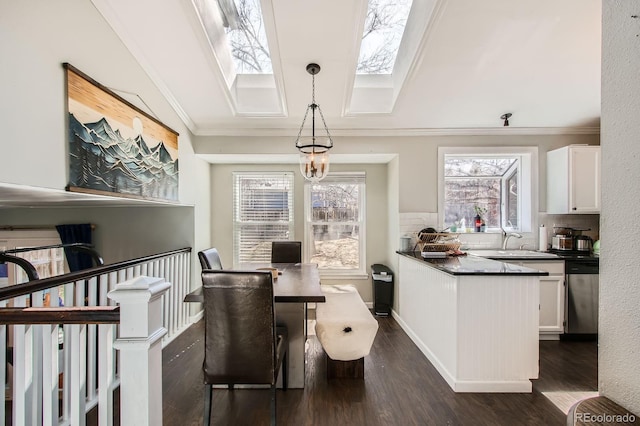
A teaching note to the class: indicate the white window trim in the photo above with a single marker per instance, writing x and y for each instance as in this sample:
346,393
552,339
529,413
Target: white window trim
359,273
528,179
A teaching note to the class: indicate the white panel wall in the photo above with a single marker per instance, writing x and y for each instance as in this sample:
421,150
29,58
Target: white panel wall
479,331
428,306
619,340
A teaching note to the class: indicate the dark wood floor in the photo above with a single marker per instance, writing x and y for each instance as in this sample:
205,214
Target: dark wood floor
400,388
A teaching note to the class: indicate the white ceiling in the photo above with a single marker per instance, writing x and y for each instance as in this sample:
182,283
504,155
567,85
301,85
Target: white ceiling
476,60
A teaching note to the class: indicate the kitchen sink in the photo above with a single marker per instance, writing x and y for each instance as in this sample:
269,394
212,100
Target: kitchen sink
511,254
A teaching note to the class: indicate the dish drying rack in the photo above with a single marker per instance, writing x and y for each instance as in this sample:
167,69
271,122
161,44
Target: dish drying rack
438,241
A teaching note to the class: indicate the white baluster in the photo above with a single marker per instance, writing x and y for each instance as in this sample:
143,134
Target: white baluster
92,350
21,368
77,373
3,362
106,374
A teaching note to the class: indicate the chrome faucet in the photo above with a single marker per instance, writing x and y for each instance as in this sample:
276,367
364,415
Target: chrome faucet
505,238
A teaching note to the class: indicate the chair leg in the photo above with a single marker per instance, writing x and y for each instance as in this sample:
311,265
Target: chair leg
273,405
207,405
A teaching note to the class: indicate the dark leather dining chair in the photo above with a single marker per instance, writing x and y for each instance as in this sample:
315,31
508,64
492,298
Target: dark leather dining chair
242,344
210,259
286,252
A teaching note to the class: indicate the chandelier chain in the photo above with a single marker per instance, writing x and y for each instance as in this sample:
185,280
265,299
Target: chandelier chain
326,129
302,125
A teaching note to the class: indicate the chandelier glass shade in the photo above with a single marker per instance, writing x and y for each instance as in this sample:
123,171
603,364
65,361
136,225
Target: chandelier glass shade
314,147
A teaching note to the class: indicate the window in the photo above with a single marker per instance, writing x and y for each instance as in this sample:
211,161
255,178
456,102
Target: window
47,262
262,213
498,182
246,36
383,29
335,224
239,33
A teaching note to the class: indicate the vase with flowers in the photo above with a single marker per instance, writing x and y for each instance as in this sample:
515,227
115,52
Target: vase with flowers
479,219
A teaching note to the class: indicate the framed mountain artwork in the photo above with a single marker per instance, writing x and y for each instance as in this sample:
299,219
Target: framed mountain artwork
114,147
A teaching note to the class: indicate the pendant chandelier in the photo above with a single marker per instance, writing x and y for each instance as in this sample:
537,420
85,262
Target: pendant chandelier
314,149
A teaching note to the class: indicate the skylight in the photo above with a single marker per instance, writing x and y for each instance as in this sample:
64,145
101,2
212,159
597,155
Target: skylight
383,29
237,31
246,36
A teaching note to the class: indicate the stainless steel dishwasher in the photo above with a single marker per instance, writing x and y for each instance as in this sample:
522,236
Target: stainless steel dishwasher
582,293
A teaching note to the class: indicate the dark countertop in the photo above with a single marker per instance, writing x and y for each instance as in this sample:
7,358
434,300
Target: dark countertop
473,265
577,256
510,255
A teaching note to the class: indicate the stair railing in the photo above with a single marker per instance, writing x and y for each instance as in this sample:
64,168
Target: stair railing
62,365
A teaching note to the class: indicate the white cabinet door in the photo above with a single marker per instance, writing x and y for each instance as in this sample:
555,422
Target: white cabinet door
584,180
551,295
573,180
551,304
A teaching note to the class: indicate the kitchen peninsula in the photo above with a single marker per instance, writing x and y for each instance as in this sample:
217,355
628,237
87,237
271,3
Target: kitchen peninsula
475,319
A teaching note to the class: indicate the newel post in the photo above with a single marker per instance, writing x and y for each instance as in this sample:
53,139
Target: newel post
140,344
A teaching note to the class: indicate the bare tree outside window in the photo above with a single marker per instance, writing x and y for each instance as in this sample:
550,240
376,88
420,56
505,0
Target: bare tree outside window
248,39
383,29
480,183
384,26
335,222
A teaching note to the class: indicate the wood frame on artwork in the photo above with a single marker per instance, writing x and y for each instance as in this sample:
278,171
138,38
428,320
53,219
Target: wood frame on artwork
115,148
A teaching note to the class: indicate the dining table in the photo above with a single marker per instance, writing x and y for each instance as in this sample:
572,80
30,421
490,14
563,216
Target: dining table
296,285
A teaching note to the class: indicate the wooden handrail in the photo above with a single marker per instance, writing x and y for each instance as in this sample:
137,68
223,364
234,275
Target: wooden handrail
26,266
46,283
62,315
83,247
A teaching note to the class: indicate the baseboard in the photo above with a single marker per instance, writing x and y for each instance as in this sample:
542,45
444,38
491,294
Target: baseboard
197,317
553,336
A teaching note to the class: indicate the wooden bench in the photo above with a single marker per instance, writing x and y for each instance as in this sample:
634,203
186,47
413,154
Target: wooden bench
599,410
346,329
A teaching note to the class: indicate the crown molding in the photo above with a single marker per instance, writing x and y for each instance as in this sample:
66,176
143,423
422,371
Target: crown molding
390,132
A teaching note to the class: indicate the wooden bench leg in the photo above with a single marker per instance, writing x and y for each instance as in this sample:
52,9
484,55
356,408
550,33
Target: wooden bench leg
345,369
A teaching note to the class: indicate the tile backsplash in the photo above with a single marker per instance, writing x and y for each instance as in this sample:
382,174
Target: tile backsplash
411,223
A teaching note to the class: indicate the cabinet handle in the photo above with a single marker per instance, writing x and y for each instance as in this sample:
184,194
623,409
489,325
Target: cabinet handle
574,208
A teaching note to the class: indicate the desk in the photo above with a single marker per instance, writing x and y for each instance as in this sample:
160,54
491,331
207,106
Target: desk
298,285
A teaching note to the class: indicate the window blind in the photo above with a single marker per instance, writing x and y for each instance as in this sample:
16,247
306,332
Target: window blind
263,212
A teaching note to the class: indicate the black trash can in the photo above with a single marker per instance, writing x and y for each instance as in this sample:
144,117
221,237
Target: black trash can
382,289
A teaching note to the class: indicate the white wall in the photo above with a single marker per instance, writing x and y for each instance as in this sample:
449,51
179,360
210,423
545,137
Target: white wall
121,233
377,247
417,157
619,345
36,37
411,181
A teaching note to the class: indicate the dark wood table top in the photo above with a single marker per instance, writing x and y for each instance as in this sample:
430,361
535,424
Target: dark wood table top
296,283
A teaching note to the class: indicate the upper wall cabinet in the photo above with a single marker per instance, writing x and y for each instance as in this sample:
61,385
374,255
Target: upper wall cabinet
573,180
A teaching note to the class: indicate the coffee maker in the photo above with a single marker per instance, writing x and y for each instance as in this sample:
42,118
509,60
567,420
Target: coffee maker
563,238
